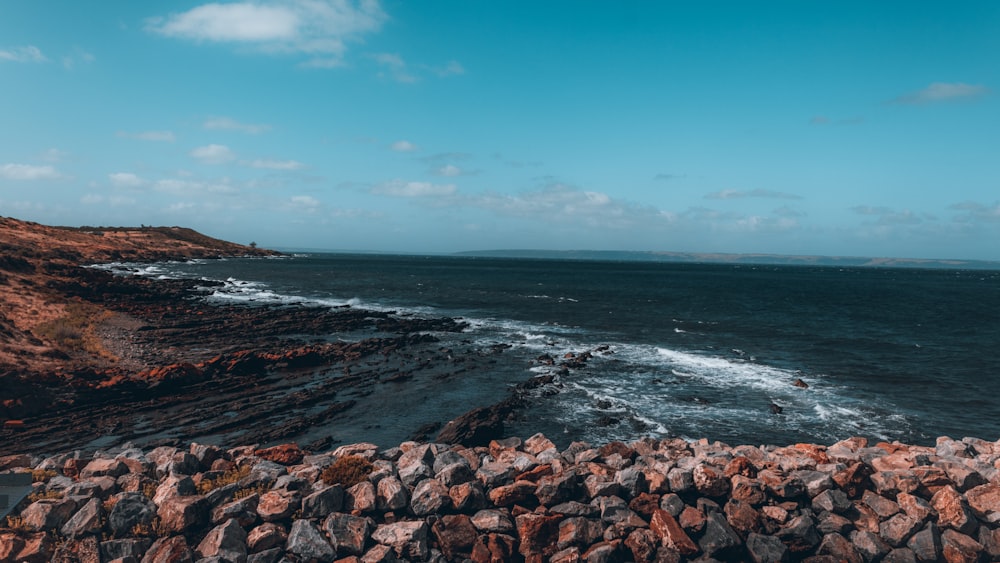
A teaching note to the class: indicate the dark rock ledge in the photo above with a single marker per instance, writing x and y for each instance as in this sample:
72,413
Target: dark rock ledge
513,500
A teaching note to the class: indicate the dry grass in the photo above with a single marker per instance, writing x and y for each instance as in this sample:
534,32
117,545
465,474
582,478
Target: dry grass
249,491
76,330
231,476
348,471
42,475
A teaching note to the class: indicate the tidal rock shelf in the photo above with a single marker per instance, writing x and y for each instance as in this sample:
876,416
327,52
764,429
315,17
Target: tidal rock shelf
513,500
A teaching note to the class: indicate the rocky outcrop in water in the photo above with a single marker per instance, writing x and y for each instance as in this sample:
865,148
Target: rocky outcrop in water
652,500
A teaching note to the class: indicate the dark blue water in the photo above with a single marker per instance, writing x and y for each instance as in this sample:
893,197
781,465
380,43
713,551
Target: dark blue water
694,350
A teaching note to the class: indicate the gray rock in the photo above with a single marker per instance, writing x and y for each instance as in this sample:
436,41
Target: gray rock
243,510
455,473
926,544
719,539
87,520
429,497
869,545
391,495
493,521
349,534
131,509
48,514
898,529
173,549
408,539
125,549
832,500
307,542
266,536
226,541
799,534
272,555
323,502
766,549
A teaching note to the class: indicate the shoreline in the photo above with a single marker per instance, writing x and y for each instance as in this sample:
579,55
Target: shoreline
512,500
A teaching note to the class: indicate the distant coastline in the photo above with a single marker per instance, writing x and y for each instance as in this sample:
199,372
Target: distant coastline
727,258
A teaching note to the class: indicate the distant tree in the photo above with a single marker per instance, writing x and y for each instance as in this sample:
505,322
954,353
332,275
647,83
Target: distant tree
253,244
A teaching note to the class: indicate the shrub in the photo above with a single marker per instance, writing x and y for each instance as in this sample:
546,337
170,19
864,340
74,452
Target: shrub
231,476
348,471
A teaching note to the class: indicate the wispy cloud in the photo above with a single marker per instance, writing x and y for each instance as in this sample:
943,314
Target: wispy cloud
126,180
943,92
401,188
404,146
28,172
230,124
161,136
54,155
667,177
314,29
273,164
214,154
451,171
758,193
76,58
887,216
394,67
977,212
452,68
22,54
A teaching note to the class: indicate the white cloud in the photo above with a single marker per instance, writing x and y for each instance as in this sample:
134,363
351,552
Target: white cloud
54,155
404,146
126,180
737,194
448,170
305,202
316,29
22,54
91,199
274,164
886,216
396,67
453,68
165,136
226,123
943,92
977,212
400,188
213,154
78,56
28,172
187,187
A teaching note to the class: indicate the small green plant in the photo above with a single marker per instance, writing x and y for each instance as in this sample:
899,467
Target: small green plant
229,477
348,471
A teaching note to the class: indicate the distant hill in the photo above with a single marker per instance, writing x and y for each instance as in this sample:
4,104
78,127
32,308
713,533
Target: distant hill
723,258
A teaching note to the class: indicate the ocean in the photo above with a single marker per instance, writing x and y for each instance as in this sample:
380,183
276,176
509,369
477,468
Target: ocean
678,350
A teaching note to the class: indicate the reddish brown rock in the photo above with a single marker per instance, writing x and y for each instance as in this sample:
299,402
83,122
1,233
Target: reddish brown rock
494,548
854,479
645,504
183,514
642,543
742,517
960,548
952,511
579,531
710,481
838,547
984,500
748,490
915,506
285,454
742,466
455,535
516,493
266,536
692,519
671,533
538,533
172,549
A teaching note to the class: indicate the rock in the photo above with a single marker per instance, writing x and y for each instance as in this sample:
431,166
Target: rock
644,505
539,534
126,549
477,427
266,536
515,493
173,549
379,554
243,510
285,454
408,539
799,535
960,548
278,505
273,555
104,467
429,497
915,506
830,523
719,539
48,514
832,500
493,521
900,555
87,520
391,495
361,497
226,541
869,545
642,544
467,497
323,502
455,474
838,547
898,529
692,520
456,535
882,506
633,482
183,514
35,548
681,480
578,531
350,534
670,533
984,501
742,517
307,542
537,444
555,489
494,548
747,489
132,509
766,549
952,511
926,544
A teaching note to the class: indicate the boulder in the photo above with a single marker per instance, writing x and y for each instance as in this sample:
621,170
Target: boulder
307,543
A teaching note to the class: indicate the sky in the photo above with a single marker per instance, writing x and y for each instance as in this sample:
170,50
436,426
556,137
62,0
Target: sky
825,128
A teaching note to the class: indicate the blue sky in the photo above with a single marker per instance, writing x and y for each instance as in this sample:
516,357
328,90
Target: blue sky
836,128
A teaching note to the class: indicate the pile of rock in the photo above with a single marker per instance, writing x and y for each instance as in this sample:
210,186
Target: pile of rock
651,500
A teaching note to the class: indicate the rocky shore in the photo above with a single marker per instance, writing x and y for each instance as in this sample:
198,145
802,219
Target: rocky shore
513,500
